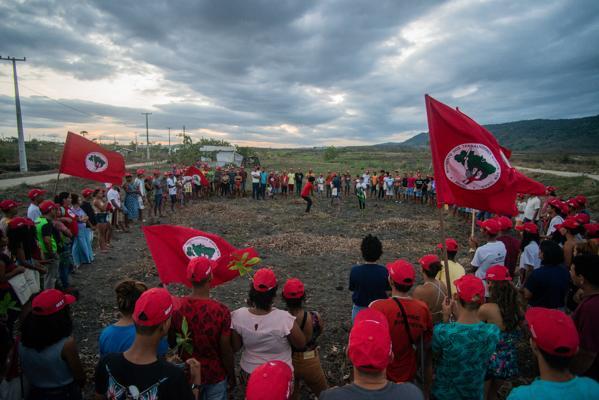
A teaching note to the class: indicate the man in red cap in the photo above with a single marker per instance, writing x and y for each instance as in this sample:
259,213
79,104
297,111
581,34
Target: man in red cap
512,245
138,373
139,183
209,326
36,196
465,346
9,209
492,253
554,342
50,241
273,380
456,270
411,325
369,350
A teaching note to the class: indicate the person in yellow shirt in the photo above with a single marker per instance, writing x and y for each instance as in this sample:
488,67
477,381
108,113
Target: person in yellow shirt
456,270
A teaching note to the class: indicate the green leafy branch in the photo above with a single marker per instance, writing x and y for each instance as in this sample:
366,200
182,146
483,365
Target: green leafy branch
7,304
242,264
184,343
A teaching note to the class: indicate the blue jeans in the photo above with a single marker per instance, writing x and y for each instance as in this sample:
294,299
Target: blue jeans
215,391
255,190
354,311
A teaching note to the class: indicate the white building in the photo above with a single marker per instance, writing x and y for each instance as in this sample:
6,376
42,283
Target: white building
224,155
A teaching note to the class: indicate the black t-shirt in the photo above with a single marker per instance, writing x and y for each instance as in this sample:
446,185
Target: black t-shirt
298,177
89,210
425,184
119,379
404,182
418,183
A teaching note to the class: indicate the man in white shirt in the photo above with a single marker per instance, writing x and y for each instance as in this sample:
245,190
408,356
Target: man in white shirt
114,197
366,177
36,196
490,254
531,211
172,190
256,183
140,185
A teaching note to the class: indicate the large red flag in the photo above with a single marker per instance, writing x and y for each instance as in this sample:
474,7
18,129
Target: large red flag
86,159
471,168
198,176
173,246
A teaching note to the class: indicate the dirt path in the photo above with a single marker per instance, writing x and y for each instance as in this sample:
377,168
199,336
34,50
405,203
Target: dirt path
560,173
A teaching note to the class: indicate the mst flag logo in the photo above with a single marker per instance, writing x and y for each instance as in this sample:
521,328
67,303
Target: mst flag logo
201,246
96,162
472,166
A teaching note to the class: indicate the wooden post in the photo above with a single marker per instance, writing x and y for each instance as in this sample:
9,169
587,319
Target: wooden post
444,247
56,184
473,222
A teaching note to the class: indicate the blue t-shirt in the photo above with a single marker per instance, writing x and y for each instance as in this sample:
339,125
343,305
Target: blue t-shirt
369,283
548,285
577,388
263,177
117,339
464,351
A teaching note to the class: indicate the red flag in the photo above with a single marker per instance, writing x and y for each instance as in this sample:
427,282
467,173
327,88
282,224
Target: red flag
173,246
471,168
198,176
86,159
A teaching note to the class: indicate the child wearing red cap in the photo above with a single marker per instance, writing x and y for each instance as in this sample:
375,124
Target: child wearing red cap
9,210
554,342
529,257
139,372
209,326
432,291
463,347
555,212
491,253
456,270
548,285
512,245
306,361
570,231
49,240
503,309
48,351
369,350
36,196
411,326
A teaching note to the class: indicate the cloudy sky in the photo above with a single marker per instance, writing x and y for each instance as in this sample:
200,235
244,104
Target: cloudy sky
285,73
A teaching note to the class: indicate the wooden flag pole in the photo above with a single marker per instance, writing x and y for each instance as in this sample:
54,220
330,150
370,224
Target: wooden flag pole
56,184
444,247
473,222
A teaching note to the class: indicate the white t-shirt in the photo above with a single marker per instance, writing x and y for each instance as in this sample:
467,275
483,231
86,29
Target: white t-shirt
366,179
172,188
554,221
139,184
492,253
264,337
532,205
114,195
33,212
255,176
530,256
521,205
389,181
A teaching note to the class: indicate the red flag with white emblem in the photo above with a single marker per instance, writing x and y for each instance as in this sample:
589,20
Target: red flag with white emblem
197,176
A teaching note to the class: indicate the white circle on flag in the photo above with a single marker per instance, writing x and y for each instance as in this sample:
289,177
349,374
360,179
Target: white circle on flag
472,166
96,162
201,246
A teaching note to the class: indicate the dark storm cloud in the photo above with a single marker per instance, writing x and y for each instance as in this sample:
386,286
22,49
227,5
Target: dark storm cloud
334,70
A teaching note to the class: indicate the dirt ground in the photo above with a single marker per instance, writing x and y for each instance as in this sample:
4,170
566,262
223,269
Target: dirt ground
319,248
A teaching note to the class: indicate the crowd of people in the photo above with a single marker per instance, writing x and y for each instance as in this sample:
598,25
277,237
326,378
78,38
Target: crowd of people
535,276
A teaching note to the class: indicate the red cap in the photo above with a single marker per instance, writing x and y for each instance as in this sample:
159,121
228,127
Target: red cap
200,268
592,229
427,260
51,301
87,192
153,307
370,341
128,175
402,272
572,203
490,225
450,243
581,199
582,218
7,205
553,331
270,381
33,193
264,280
140,171
505,223
156,172
498,273
19,222
48,205
293,289
468,287
560,205
549,189
569,223
529,227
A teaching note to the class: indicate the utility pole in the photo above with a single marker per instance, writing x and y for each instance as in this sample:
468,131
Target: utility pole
147,137
22,153
169,141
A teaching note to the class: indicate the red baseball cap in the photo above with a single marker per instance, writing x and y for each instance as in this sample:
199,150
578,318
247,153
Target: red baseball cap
200,268
549,189
270,381
498,273
529,227
47,205
427,260
402,272
19,222
156,172
33,193
572,203
153,307
140,171
264,280
490,225
7,205
582,218
51,301
468,287
553,331
293,289
562,206
581,199
569,223
128,175
592,229
87,192
450,243
505,223
370,341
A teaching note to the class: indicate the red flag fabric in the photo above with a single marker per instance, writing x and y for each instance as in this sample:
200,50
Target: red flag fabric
198,176
471,168
87,159
173,246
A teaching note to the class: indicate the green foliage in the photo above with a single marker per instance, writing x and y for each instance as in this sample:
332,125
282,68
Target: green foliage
241,263
331,153
183,340
7,304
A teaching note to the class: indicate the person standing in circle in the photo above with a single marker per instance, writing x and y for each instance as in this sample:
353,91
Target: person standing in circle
308,187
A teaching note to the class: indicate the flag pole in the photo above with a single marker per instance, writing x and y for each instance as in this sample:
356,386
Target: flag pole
56,184
444,249
473,221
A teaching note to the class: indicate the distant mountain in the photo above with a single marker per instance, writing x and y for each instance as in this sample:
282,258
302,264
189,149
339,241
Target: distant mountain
579,135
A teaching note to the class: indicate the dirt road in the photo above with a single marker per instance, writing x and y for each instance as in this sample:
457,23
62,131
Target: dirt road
559,173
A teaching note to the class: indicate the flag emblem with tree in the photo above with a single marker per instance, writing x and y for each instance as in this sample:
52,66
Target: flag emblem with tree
472,166
96,162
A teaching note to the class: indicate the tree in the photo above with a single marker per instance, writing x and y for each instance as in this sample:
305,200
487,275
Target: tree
331,153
